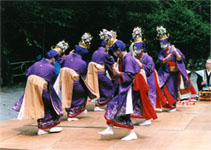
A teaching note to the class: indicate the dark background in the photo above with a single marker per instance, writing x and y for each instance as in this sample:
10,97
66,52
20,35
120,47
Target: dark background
30,28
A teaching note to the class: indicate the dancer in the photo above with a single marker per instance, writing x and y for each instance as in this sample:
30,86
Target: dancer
74,90
172,64
40,100
60,48
96,75
147,94
118,110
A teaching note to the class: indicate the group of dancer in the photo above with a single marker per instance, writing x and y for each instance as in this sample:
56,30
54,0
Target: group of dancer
126,81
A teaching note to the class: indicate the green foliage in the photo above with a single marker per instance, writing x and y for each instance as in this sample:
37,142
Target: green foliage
29,28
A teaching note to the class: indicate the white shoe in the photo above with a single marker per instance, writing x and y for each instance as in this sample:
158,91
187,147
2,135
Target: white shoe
131,136
41,132
72,119
172,110
145,123
84,112
55,129
98,109
108,130
158,109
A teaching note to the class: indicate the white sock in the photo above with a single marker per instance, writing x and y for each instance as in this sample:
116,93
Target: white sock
172,110
98,109
72,119
55,129
146,122
84,112
41,132
108,130
132,136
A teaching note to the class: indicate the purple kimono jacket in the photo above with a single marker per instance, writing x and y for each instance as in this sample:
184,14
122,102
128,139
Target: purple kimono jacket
52,103
79,97
170,79
149,67
106,87
116,108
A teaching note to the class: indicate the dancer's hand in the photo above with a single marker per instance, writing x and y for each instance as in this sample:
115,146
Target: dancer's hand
115,65
116,69
72,51
204,82
139,63
169,56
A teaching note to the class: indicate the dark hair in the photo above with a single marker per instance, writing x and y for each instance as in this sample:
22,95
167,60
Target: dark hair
169,40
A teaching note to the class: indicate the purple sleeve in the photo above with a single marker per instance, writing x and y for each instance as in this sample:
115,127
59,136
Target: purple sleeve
61,60
131,68
183,57
83,69
30,70
17,105
131,65
182,68
149,66
160,56
51,76
109,60
126,77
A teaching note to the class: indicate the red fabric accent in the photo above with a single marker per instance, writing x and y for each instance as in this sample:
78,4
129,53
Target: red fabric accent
119,81
49,127
141,86
160,98
75,114
122,77
179,75
166,52
191,89
172,63
168,106
120,64
120,69
98,105
186,102
169,98
117,124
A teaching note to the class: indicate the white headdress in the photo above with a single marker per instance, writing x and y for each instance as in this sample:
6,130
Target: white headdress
112,37
63,45
136,32
161,32
104,35
137,35
86,38
113,33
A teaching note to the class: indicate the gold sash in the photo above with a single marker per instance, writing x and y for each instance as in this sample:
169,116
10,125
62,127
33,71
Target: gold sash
173,69
33,103
67,77
92,77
